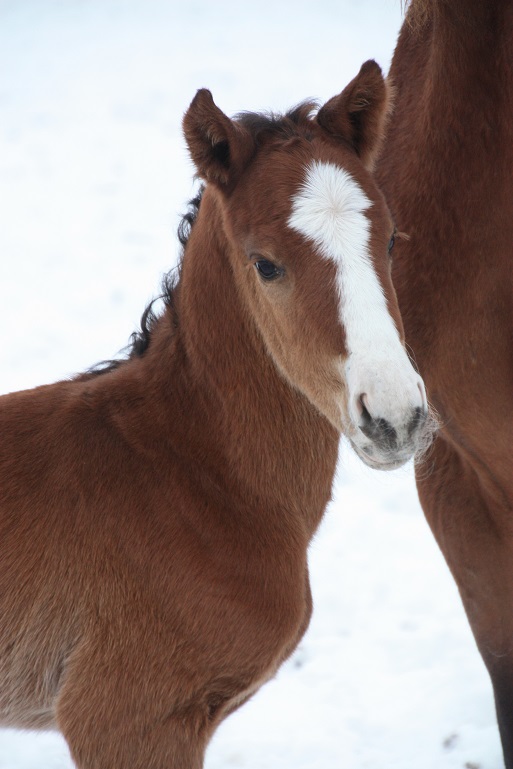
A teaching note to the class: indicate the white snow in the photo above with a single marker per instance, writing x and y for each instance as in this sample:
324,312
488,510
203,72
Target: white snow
93,175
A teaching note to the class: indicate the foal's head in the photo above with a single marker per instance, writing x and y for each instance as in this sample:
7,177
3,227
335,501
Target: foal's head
309,239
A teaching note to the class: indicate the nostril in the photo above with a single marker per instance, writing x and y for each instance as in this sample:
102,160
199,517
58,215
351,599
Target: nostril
377,429
423,397
365,417
416,422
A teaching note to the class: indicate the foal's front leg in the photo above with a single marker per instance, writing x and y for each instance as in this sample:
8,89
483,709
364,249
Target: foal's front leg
172,744
123,713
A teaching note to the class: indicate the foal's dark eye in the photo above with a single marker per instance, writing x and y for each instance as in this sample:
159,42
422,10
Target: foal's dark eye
267,270
391,242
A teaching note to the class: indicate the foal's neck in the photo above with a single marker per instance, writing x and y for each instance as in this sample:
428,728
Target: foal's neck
254,434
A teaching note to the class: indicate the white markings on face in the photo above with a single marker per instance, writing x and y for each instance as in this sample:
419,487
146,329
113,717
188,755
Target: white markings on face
330,210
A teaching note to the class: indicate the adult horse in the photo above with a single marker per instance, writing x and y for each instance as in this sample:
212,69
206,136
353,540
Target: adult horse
155,514
447,170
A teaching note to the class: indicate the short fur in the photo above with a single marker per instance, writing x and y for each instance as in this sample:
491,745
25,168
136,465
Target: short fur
446,170
155,516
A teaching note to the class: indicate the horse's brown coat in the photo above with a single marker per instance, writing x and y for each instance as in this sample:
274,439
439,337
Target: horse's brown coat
447,169
155,518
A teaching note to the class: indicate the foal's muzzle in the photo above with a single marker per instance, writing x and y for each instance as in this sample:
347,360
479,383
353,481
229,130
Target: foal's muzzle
389,432
388,446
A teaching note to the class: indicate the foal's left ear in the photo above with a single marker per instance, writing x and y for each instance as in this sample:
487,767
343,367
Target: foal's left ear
358,114
219,147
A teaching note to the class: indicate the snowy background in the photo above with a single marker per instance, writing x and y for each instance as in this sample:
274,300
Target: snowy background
93,176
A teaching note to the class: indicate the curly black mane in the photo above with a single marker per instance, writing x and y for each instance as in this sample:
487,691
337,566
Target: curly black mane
261,126
140,340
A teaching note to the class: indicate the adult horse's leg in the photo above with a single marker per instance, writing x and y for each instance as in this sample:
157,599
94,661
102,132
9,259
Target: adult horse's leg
503,688
473,525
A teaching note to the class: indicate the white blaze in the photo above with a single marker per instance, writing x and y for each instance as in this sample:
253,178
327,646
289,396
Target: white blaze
329,210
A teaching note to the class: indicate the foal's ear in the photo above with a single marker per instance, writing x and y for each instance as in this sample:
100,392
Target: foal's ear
219,147
359,113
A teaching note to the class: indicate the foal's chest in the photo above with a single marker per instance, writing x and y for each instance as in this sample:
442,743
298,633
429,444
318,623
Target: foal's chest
234,627
252,638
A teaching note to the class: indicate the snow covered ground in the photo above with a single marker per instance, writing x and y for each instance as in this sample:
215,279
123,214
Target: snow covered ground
93,176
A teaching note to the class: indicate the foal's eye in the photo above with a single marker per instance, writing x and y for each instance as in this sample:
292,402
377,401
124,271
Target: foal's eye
391,242
267,270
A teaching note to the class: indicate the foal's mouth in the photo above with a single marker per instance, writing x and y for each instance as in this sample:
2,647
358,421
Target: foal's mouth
382,463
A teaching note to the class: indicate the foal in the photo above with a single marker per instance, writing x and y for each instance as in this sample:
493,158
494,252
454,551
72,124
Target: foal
155,516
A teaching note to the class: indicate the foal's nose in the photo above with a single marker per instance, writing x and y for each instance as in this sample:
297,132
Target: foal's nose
383,434
387,408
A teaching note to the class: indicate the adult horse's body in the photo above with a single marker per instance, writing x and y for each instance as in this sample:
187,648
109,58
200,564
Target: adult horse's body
155,516
447,173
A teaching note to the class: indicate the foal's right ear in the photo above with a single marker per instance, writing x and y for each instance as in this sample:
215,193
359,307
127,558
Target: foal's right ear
358,114
218,147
